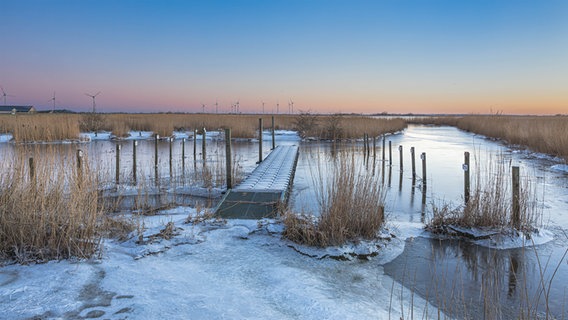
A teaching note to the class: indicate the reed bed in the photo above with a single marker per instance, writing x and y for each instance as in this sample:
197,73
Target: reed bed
41,127
56,127
491,204
50,212
546,134
351,204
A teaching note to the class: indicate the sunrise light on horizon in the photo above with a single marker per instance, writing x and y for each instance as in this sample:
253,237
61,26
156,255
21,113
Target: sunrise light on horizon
391,56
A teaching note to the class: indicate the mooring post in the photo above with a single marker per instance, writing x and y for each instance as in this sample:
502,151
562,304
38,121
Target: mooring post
516,218
171,140
183,155
390,153
32,169
80,166
228,159
156,158
423,157
384,141
364,144
117,172
203,145
466,177
273,134
134,144
400,155
259,140
374,147
194,145
412,157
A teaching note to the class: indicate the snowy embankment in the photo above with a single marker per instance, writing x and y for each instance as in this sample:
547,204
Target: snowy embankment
236,269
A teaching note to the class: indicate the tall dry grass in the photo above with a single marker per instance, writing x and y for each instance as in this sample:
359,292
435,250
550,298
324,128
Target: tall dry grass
41,127
351,204
50,214
56,127
546,134
491,203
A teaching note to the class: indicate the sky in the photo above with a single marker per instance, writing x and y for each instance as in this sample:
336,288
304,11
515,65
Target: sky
395,56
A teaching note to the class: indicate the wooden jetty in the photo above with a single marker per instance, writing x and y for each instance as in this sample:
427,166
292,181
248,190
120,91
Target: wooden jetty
265,191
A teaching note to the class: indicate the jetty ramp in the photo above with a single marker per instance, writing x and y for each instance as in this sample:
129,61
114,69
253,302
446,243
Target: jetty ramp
266,190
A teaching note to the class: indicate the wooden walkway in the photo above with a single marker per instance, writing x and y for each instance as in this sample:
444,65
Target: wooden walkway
265,190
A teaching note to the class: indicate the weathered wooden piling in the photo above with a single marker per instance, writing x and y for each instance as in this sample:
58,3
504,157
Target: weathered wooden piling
273,134
390,153
516,216
32,169
259,140
171,140
80,165
203,145
364,144
384,141
183,155
374,147
134,175
194,145
228,159
400,157
117,171
466,176
413,160
423,157
156,159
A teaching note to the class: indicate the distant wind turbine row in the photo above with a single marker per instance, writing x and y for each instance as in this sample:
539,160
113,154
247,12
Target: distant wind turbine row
235,107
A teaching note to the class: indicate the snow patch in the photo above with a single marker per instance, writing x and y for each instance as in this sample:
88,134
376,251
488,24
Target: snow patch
560,167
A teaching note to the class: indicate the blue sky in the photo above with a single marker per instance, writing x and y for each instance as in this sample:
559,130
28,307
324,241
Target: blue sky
415,56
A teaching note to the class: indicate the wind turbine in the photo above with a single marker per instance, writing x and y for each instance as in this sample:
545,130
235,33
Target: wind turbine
292,105
52,100
262,106
238,106
277,107
4,94
203,107
93,96
216,106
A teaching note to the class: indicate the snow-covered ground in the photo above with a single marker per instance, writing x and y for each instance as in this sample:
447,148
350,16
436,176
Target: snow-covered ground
236,269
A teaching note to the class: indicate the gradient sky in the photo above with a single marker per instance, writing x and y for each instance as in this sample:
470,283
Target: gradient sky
415,56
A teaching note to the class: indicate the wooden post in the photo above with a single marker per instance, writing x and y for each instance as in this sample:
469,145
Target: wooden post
183,155
117,172
374,147
32,169
194,145
156,158
259,140
134,176
400,155
412,157
273,134
390,153
384,141
80,166
228,159
466,177
423,157
171,158
364,144
203,146
516,217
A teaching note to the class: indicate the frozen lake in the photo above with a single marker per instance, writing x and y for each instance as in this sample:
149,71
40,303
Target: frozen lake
221,263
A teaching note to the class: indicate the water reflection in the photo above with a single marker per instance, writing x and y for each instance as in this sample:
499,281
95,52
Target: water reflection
467,281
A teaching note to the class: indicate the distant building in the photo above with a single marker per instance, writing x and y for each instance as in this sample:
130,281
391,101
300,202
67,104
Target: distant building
17,109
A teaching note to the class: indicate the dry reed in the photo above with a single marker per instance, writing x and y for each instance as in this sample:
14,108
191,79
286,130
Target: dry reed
351,203
50,213
490,204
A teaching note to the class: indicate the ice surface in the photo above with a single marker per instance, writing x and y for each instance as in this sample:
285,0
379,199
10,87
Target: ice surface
236,269
5,137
